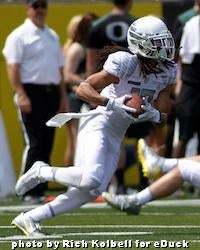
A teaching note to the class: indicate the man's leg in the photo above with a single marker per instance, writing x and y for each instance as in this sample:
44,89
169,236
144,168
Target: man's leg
164,186
28,222
38,137
185,170
63,203
42,172
167,184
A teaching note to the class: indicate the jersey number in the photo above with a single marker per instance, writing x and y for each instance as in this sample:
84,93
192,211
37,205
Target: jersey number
144,92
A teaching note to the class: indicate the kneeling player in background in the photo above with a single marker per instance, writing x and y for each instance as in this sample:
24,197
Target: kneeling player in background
175,171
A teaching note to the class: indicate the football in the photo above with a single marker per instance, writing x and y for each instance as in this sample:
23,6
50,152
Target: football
135,102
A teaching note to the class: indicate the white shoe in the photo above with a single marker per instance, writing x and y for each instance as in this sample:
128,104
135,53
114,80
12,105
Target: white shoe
27,226
126,203
30,179
149,160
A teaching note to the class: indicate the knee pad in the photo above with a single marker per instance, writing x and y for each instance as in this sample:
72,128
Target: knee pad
190,171
89,182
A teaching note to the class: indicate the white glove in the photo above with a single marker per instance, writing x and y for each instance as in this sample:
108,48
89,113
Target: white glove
118,104
151,114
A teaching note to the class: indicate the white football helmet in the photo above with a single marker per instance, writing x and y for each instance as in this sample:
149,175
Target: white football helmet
149,37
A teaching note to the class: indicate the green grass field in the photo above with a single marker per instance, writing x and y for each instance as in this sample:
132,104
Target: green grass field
174,220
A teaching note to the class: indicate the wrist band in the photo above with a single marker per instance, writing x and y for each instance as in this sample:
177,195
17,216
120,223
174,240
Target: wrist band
106,101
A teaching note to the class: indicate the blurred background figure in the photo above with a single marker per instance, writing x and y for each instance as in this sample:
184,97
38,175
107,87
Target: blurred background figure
75,72
38,85
182,18
108,30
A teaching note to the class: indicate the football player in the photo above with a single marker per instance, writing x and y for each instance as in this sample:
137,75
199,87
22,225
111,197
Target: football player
147,68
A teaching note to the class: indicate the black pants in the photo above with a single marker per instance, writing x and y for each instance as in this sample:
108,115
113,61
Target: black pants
188,111
38,137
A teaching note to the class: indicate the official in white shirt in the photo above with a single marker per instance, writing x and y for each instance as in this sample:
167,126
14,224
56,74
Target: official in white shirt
34,62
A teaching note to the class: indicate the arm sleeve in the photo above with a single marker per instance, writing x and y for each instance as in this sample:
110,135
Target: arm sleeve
13,49
121,64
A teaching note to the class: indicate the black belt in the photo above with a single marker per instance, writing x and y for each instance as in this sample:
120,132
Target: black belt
46,86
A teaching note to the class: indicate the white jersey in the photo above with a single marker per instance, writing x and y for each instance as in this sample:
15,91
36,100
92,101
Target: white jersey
127,68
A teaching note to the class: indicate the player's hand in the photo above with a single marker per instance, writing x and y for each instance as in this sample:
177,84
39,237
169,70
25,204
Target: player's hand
23,102
119,104
151,114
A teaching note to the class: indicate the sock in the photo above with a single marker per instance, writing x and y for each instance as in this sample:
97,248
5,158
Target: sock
190,171
47,173
40,213
166,164
64,176
144,196
62,204
70,176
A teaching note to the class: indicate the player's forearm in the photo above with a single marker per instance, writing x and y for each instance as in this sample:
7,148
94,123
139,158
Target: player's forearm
87,93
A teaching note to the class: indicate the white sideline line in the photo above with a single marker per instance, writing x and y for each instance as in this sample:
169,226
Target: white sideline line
75,214
174,203
24,237
24,208
167,214
116,214
112,226
106,233
21,237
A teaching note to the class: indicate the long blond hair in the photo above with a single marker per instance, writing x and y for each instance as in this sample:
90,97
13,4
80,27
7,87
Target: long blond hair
71,29
78,29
